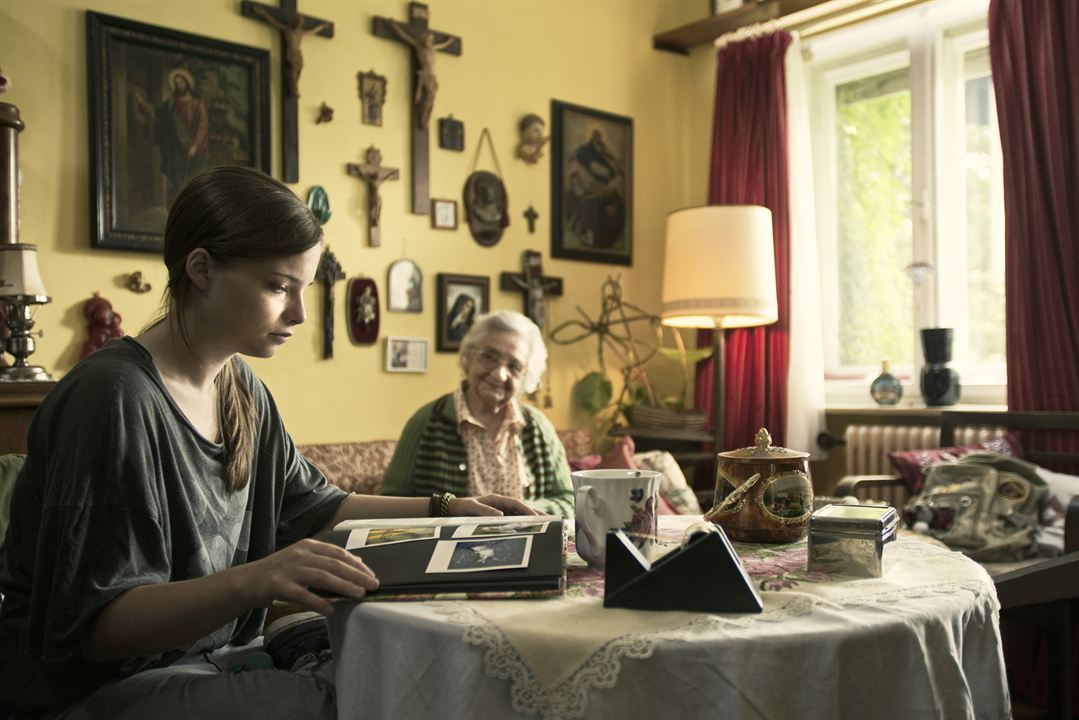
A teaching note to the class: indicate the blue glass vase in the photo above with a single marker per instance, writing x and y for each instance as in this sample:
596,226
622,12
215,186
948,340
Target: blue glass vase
886,388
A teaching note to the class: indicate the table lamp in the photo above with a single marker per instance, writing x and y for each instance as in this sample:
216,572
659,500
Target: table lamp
719,272
20,290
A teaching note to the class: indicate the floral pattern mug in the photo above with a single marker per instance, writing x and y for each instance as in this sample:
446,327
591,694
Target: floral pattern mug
614,500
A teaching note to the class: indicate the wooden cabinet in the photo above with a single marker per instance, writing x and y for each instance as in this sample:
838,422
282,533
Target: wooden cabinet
18,403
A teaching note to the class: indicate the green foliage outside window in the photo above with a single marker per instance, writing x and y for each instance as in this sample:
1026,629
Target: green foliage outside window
873,137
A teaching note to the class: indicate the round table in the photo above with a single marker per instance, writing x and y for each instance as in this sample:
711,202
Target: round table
922,641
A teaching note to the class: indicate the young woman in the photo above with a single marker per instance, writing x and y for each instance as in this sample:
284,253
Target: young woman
163,506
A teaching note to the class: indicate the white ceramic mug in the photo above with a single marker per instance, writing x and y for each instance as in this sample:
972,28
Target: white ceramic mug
614,500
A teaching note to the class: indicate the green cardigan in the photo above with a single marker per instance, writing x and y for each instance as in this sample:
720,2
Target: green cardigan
431,457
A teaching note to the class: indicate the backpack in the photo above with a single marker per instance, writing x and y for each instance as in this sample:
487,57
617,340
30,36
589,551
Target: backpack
985,505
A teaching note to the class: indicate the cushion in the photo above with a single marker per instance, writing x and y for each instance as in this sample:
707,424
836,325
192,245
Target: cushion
1062,488
353,467
912,464
673,487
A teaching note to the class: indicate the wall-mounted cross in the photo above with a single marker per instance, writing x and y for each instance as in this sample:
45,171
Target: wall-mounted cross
531,215
329,273
292,26
424,44
374,173
533,284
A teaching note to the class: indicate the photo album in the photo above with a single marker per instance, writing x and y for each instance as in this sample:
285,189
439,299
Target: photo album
479,557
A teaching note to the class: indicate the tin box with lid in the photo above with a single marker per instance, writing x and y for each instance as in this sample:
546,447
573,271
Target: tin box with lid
850,539
763,493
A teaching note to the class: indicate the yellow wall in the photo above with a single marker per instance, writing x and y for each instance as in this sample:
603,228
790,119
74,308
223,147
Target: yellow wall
518,55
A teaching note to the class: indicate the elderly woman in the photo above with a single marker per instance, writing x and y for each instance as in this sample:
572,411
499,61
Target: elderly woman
479,439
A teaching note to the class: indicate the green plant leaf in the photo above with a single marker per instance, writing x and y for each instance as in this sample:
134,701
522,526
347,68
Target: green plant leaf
594,392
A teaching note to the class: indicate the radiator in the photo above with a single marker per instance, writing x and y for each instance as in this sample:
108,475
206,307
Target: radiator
867,446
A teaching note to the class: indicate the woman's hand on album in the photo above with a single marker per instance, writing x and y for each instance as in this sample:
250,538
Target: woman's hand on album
293,574
489,505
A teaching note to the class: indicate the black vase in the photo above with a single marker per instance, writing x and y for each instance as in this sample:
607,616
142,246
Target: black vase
940,384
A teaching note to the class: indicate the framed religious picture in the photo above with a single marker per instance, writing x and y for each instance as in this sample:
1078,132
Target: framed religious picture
165,106
372,96
404,287
461,298
591,185
444,214
406,354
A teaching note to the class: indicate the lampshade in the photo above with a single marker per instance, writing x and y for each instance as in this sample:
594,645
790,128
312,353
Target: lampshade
19,276
719,267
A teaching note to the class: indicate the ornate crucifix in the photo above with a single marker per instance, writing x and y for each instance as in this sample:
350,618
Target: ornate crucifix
329,272
424,44
292,26
374,174
535,286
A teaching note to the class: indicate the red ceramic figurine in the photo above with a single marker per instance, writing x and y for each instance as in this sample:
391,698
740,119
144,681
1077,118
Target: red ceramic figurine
102,324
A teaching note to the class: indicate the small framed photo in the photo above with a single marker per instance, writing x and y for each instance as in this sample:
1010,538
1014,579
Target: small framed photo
461,298
406,354
444,214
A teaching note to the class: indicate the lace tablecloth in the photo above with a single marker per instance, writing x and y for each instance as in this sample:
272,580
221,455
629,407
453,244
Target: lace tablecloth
920,642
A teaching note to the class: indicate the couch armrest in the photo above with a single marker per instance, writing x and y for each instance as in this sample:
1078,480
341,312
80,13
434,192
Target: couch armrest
886,488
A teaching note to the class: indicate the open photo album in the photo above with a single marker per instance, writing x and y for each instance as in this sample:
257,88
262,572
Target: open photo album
476,557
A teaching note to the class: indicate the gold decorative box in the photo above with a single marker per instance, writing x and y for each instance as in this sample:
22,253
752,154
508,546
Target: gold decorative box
850,539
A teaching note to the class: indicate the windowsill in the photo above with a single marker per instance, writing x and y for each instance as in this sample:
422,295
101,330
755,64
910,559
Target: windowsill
855,394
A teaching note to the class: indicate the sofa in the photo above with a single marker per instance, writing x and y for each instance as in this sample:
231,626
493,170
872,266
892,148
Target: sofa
359,466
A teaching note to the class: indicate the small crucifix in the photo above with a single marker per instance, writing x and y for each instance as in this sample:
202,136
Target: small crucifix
531,215
329,273
424,44
292,26
374,174
535,286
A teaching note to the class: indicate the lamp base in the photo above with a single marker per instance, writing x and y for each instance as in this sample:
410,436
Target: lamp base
24,373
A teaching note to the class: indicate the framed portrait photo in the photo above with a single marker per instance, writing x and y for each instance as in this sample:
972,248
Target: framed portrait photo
591,185
404,287
164,107
443,214
461,298
406,354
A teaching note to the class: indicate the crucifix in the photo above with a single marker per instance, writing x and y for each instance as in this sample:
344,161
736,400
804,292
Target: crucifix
374,174
424,44
535,286
292,26
329,272
531,215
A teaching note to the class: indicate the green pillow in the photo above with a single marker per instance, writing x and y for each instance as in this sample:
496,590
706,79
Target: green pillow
10,465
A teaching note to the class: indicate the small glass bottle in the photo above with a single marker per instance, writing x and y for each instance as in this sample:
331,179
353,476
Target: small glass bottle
886,389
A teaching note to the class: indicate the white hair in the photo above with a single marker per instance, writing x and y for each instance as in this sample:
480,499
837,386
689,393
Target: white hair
508,321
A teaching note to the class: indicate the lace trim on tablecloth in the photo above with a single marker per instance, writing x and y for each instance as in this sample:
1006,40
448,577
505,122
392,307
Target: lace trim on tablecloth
568,699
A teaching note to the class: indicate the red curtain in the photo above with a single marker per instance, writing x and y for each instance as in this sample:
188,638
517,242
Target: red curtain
749,167
1032,47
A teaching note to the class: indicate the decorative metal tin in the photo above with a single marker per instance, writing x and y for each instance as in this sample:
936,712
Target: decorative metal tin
850,539
763,493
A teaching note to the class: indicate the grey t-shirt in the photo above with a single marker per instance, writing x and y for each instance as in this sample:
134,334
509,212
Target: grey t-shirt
119,490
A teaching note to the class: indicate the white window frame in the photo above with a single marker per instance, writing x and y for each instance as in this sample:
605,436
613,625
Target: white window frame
932,40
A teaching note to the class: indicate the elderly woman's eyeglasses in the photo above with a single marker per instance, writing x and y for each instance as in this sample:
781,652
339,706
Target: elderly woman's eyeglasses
489,360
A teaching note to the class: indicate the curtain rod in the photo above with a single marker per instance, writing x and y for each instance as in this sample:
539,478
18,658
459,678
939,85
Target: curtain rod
822,18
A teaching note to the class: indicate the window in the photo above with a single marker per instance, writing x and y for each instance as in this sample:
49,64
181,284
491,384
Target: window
908,181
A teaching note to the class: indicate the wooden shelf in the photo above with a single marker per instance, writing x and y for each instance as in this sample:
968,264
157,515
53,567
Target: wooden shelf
664,434
682,39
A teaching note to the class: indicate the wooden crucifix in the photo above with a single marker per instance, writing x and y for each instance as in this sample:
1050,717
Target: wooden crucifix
535,286
329,273
374,174
531,215
424,44
292,26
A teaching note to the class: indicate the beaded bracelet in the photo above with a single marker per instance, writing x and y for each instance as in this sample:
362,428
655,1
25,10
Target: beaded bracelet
444,506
